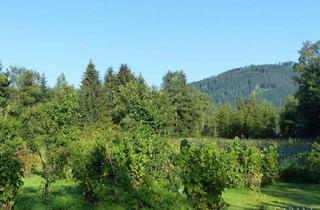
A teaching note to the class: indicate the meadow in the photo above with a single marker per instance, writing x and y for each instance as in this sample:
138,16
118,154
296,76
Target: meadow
68,195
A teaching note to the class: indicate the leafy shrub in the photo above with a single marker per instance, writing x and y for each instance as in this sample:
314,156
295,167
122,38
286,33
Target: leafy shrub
270,165
205,173
10,178
90,166
302,167
313,163
249,163
152,195
145,166
11,168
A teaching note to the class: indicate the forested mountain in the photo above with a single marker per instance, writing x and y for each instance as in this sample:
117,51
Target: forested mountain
272,82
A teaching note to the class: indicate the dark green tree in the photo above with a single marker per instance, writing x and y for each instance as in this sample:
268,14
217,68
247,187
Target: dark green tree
91,96
288,118
125,75
308,93
4,88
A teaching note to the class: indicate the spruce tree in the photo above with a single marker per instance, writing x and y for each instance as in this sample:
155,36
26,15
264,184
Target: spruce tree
90,96
125,75
4,88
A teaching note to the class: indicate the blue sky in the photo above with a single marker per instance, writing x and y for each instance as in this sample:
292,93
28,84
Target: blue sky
202,37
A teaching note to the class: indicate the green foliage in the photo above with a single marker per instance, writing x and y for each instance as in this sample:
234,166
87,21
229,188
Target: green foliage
91,97
11,174
136,108
251,120
152,195
91,167
249,163
271,82
11,168
4,88
145,167
25,85
51,126
205,172
288,119
313,163
270,164
188,106
308,93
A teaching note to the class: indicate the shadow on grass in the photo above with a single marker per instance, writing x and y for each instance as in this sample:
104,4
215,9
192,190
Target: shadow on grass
294,195
63,195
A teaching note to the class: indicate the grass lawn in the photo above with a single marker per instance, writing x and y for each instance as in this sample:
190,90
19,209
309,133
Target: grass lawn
67,195
283,195
63,195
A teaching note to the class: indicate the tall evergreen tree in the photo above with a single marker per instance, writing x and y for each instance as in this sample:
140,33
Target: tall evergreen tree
308,93
4,88
184,102
241,118
90,96
125,75
44,90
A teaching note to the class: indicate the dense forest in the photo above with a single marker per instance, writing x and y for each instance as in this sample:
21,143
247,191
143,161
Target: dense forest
111,134
272,82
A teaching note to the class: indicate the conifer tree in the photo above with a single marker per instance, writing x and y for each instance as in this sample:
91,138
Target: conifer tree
4,88
90,96
125,75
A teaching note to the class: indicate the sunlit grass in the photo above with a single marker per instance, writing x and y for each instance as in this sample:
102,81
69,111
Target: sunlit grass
282,195
67,195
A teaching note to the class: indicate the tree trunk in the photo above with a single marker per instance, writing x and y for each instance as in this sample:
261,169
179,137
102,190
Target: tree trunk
46,192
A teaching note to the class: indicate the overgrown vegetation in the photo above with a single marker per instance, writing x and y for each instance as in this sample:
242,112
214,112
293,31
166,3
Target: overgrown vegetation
111,137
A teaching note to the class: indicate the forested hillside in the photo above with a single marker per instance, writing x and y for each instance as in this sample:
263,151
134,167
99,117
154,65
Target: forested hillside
272,82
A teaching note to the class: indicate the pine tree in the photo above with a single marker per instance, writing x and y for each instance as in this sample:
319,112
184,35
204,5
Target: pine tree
125,75
187,118
43,87
4,88
250,116
91,96
241,117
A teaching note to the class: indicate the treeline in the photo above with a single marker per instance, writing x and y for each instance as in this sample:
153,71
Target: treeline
124,101
114,132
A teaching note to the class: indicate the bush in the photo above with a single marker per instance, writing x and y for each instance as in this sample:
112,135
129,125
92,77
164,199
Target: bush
91,168
249,163
303,167
145,167
270,164
152,194
11,167
313,163
205,173
11,174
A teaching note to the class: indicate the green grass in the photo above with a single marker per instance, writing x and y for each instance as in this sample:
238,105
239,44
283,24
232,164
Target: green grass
64,194
67,195
283,195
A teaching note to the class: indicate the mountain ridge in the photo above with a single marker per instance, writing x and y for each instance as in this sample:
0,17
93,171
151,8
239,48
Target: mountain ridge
271,82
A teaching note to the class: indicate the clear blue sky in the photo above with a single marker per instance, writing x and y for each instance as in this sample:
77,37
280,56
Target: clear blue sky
202,37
